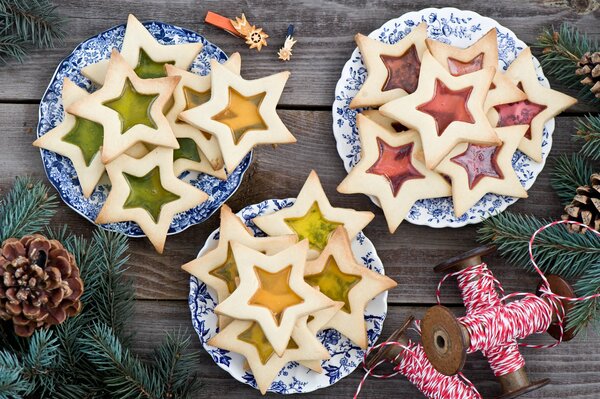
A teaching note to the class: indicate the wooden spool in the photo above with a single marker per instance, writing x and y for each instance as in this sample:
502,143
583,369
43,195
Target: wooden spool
391,353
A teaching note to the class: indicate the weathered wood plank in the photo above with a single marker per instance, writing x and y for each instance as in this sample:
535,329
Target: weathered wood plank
572,367
408,255
325,32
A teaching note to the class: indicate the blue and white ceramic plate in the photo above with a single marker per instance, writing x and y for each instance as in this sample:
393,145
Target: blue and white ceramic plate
294,378
60,170
459,28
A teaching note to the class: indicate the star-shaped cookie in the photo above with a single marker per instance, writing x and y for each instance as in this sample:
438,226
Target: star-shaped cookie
481,54
147,192
241,113
445,109
387,123
129,108
191,91
145,55
313,218
217,268
78,139
336,274
272,292
541,105
476,170
248,339
189,157
392,69
391,168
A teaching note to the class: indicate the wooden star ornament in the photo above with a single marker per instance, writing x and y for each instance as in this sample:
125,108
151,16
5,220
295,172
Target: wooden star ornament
392,169
481,54
191,91
241,113
392,69
78,139
445,109
336,274
476,170
217,268
248,339
129,108
272,292
146,191
313,218
541,105
145,54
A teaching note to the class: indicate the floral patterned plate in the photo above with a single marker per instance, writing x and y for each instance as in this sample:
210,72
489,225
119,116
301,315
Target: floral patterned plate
294,378
60,170
459,28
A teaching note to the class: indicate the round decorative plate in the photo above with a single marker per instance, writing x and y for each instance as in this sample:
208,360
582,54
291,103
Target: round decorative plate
294,378
60,170
459,28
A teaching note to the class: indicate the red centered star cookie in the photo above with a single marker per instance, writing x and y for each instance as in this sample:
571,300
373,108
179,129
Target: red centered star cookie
392,69
541,105
476,170
445,109
391,168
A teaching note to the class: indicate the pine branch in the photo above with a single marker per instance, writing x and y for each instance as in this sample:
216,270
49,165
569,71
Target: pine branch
586,312
34,21
588,130
123,373
26,209
556,250
561,50
12,46
41,360
174,364
570,172
13,384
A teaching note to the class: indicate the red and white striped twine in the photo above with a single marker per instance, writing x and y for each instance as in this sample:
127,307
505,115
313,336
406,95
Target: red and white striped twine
414,365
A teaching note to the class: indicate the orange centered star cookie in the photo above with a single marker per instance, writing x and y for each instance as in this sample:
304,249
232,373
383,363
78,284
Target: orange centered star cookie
445,109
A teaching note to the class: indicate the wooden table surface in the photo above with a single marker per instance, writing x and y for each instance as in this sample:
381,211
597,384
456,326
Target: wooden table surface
325,31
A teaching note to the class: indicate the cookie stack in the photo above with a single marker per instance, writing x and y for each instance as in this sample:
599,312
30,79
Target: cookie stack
448,122
276,292
150,120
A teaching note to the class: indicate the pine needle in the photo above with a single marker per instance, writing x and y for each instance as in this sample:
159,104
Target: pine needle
13,384
570,172
586,312
561,50
588,131
26,209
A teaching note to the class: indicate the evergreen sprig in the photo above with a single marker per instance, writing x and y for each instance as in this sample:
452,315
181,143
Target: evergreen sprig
25,24
555,250
561,50
588,131
89,355
570,172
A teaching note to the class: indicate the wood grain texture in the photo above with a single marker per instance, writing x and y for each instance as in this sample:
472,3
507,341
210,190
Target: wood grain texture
573,367
325,31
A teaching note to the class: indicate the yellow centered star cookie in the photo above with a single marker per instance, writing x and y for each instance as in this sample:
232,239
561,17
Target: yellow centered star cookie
481,54
147,192
78,139
129,108
392,169
249,339
392,69
313,218
241,113
191,91
476,170
145,55
217,268
541,105
445,109
336,274
272,292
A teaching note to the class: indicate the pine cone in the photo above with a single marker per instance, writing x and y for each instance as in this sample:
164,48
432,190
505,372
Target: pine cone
40,283
585,207
589,66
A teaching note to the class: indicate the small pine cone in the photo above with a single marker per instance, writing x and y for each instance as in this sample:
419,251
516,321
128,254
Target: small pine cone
40,283
585,207
589,67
